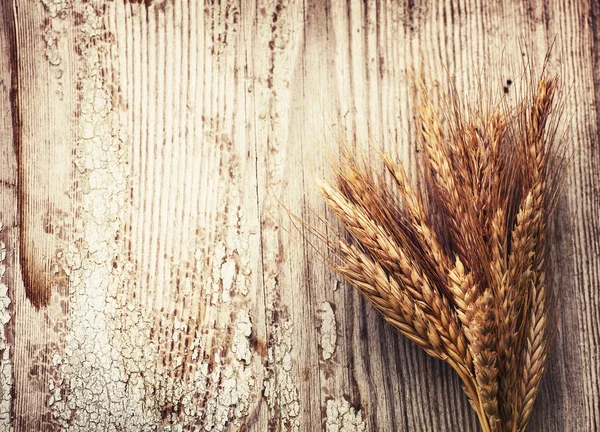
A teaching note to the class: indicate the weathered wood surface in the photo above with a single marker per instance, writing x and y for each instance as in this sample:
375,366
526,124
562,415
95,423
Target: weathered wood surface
146,278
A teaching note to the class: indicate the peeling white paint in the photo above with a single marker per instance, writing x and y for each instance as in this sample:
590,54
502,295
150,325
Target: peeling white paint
225,382
94,389
241,344
223,264
271,93
230,385
56,7
228,269
118,370
328,330
341,417
6,372
113,374
280,389
230,403
222,270
56,10
52,53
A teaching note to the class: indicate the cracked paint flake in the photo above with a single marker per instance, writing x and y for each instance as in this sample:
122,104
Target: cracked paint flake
241,343
52,53
51,36
56,7
328,330
341,417
6,372
280,388
231,401
228,387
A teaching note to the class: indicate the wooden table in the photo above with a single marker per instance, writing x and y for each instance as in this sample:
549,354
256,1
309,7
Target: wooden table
150,277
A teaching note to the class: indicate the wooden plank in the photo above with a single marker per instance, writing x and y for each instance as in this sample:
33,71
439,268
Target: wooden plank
8,215
143,190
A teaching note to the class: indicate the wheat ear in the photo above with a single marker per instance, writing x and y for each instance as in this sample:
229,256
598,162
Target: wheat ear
460,265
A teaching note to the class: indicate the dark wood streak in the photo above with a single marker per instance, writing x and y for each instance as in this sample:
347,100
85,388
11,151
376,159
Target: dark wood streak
37,288
10,25
144,2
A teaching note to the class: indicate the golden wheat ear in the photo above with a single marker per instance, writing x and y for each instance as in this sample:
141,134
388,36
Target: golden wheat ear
460,266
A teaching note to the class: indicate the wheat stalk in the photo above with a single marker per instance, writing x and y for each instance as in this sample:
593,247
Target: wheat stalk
460,265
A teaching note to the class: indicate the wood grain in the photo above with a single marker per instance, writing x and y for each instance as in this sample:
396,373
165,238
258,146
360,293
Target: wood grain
155,280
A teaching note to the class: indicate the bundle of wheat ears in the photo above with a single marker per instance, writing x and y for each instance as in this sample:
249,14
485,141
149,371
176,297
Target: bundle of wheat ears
459,264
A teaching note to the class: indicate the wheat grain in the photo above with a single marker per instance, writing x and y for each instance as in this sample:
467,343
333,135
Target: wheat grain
485,358
465,292
535,353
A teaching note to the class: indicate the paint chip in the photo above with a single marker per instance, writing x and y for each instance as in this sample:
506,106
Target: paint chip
328,330
241,343
56,7
280,389
52,53
341,417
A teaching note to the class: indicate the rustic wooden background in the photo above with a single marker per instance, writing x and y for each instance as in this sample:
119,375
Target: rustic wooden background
147,278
